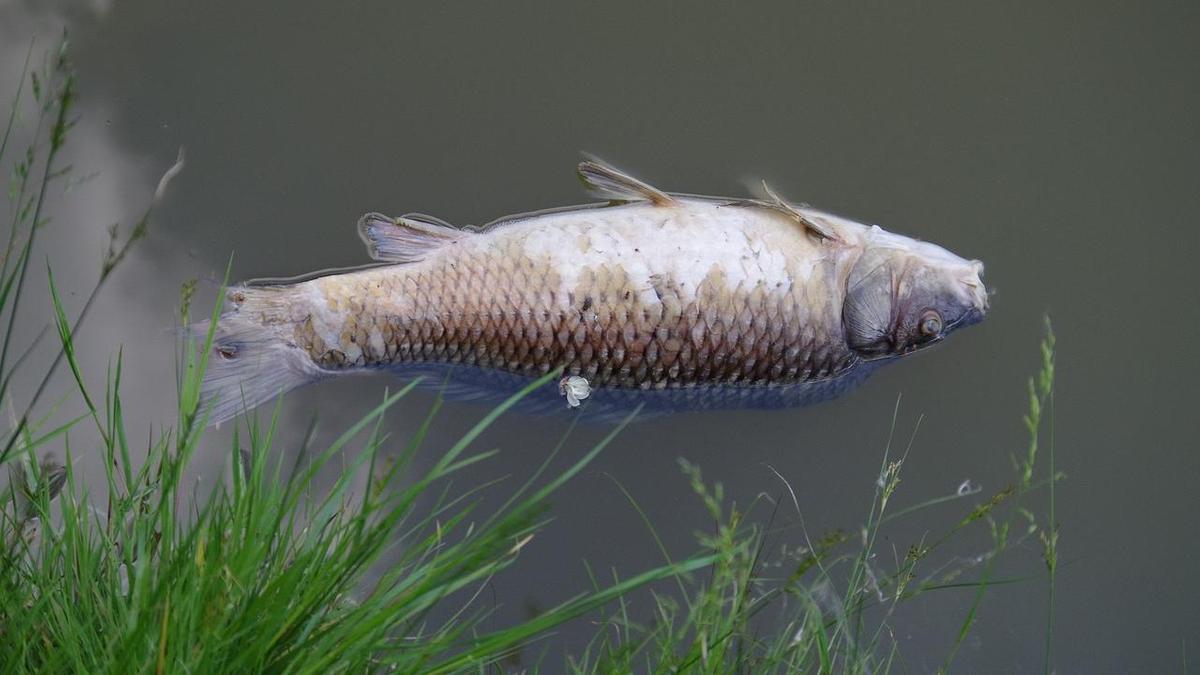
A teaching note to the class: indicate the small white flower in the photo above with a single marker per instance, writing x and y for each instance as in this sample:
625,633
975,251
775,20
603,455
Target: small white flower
575,388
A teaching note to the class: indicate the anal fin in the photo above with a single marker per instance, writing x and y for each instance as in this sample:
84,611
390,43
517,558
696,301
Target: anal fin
409,238
611,183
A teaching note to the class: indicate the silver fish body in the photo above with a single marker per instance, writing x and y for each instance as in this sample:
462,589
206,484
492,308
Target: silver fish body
692,297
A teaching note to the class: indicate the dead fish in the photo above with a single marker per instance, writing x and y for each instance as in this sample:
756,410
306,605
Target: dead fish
694,302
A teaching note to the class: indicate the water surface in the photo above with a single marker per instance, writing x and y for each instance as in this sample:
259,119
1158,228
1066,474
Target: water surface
1057,144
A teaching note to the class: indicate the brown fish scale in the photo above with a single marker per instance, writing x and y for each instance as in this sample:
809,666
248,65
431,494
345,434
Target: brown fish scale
501,309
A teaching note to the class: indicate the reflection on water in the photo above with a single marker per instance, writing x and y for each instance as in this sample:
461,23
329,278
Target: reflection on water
1055,143
490,387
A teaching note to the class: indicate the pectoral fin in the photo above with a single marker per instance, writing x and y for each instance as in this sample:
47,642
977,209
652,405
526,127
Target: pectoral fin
607,182
408,238
773,201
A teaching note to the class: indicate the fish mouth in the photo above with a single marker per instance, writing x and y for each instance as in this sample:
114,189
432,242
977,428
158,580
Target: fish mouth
969,318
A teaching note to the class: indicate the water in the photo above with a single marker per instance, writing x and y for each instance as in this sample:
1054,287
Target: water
1057,144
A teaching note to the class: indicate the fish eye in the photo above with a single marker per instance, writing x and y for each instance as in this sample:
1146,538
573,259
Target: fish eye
930,323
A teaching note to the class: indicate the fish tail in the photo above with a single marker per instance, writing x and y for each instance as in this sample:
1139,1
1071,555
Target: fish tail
254,357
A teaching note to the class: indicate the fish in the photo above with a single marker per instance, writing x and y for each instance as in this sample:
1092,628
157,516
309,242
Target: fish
668,301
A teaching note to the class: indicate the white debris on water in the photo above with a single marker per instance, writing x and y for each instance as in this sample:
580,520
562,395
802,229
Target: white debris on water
575,388
968,488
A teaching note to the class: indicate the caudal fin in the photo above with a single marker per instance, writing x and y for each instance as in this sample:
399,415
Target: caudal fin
254,357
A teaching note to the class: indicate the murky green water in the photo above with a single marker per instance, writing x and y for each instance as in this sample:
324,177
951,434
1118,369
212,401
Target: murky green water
1059,145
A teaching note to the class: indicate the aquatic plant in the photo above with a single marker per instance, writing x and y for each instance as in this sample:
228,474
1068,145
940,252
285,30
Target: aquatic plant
267,573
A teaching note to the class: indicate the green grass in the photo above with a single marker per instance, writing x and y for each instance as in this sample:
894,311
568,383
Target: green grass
831,609
268,573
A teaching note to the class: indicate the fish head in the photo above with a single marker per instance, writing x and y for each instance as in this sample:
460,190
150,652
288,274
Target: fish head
903,295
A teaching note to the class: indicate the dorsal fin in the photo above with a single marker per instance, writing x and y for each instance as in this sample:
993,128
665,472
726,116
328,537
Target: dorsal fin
409,238
773,201
610,183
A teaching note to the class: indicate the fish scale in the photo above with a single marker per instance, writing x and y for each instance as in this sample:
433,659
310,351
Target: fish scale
718,334
649,291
